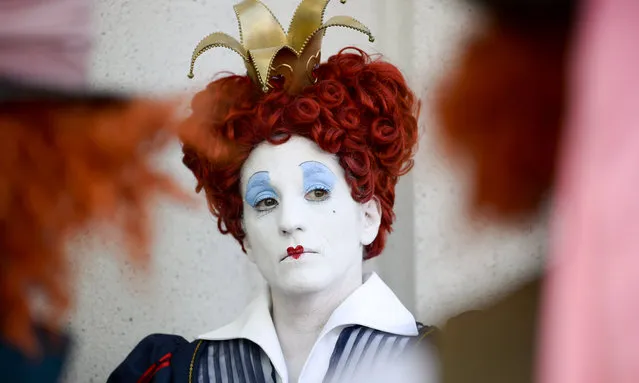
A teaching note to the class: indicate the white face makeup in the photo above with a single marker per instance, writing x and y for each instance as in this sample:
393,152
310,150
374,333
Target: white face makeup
296,196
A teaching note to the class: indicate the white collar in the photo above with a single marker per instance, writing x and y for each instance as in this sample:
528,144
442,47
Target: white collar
372,305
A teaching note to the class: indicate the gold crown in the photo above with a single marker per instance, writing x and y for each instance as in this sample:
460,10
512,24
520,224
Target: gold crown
269,53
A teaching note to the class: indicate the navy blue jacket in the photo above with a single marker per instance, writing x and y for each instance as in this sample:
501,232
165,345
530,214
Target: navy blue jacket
163,358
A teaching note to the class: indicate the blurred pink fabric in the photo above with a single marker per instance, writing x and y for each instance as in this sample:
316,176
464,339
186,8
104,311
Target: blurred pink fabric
45,41
590,325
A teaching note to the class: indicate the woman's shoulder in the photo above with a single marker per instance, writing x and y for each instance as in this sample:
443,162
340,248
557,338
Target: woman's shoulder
158,358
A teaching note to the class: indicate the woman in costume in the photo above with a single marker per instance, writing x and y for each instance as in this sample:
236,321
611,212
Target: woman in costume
569,135
309,195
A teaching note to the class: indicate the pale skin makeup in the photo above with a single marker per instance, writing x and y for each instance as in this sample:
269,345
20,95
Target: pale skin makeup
296,197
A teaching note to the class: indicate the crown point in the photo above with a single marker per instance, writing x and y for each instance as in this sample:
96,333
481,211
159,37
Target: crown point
371,39
342,1
190,75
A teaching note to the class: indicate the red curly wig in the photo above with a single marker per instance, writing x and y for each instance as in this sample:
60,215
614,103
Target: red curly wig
360,109
65,164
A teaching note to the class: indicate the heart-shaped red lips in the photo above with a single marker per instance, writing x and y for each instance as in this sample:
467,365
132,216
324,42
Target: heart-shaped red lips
297,250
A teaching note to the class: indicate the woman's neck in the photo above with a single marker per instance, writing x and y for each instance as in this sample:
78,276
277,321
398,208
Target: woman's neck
300,318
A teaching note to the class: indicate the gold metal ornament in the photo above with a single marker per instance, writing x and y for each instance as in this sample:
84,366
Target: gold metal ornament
269,52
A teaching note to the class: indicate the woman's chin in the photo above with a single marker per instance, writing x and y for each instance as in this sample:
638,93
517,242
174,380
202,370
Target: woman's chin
303,281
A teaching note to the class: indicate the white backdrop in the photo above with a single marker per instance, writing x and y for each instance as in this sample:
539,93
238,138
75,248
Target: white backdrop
199,279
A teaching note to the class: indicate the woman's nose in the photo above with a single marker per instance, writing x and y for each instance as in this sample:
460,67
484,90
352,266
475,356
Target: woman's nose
291,218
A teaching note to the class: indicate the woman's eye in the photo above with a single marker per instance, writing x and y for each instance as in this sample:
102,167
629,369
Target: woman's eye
266,204
317,195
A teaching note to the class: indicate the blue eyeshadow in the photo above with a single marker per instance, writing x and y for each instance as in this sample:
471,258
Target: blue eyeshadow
317,176
259,188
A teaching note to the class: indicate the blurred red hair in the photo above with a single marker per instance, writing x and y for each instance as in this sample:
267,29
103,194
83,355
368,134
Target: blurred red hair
502,108
65,165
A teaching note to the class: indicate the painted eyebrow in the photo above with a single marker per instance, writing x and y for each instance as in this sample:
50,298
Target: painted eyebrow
317,174
259,182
